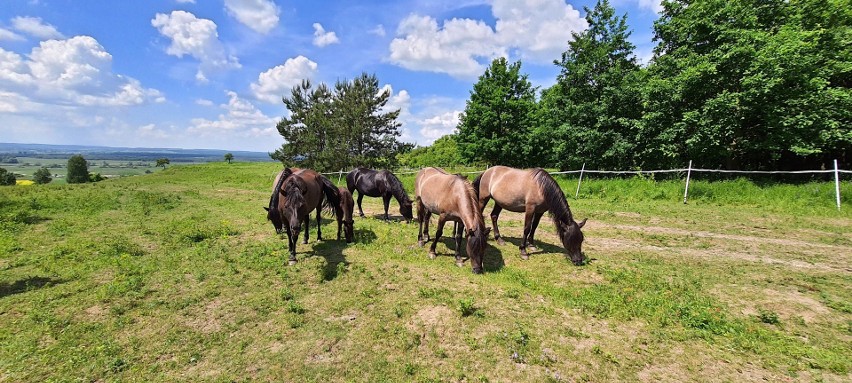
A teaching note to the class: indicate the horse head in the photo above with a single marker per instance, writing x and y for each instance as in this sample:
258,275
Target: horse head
572,240
294,201
405,208
476,244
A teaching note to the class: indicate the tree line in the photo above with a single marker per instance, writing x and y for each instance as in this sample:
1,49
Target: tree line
750,84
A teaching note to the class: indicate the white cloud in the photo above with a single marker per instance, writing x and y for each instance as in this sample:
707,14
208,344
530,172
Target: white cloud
379,30
151,131
259,15
323,38
197,38
653,5
242,119
276,82
77,71
538,30
186,1
439,125
452,49
8,35
204,102
33,26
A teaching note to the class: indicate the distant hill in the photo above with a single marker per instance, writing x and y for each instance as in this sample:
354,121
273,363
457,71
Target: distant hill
129,154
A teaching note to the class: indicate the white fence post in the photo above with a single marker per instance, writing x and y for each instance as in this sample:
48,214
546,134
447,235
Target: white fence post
580,180
688,173
340,176
837,184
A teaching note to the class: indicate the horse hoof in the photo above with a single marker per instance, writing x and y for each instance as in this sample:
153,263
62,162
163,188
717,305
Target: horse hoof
525,256
532,248
420,243
501,242
459,263
292,262
477,271
432,255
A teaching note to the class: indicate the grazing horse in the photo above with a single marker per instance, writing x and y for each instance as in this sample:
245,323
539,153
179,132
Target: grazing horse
533,192
344,215
453,198
380,183
296,193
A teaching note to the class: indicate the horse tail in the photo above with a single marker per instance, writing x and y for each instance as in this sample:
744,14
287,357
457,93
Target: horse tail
350,180
476,182
555,199
332,196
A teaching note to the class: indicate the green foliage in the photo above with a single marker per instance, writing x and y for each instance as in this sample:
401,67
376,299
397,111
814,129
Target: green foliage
332,129
593,109
42,176
444,152
78,170
7,178
750,84
162,162
229,157
498,120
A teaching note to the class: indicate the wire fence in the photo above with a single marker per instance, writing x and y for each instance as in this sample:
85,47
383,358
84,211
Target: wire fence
688,170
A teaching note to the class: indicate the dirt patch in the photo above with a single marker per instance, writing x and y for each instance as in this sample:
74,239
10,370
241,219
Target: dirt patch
788,304
95,313
208,321
431,317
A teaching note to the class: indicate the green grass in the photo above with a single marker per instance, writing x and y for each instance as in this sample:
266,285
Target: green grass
177,276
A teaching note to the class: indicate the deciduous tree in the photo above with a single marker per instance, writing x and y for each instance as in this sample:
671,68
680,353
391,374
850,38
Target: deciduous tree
78,170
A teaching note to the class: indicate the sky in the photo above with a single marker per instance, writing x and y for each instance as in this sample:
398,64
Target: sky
210,74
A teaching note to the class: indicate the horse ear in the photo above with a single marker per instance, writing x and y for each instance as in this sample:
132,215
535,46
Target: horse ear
265,208
582,223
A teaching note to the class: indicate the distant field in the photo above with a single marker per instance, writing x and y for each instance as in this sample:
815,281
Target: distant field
177,276
26,166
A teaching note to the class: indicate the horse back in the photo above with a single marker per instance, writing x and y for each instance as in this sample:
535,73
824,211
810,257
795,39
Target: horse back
311,186
513,189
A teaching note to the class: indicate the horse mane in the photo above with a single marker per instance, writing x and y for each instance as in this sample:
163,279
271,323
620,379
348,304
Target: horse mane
554,197
293,192
476,182
396,188
472,197
273,200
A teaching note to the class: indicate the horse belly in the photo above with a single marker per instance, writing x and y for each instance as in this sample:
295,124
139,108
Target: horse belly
510,201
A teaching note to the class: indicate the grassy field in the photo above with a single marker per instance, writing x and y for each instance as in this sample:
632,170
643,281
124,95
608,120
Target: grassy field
26,166
177,276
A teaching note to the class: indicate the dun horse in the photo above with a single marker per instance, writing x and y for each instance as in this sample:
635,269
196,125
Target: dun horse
296,193
344,215
380,183
533,192
452,198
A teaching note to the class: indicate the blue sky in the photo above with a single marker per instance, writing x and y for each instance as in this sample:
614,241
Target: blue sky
211,73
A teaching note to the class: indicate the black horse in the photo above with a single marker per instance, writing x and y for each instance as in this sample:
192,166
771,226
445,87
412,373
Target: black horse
381,183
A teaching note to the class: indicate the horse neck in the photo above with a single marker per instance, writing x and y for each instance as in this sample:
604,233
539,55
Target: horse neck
554,197
469,207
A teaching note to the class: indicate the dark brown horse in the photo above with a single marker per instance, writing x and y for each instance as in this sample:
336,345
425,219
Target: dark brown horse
453,198
296,193
533,192
381,183
344,215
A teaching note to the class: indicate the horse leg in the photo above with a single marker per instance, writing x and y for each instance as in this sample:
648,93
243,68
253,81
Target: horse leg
421,214
528,218
386,200
494,215
536,220
339,225
319,226
426,225
458,228
360,198
291,245
307,226
442,219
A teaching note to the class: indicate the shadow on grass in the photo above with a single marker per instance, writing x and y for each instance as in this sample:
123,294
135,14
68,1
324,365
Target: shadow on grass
27,284
332,251
391,217
542,247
